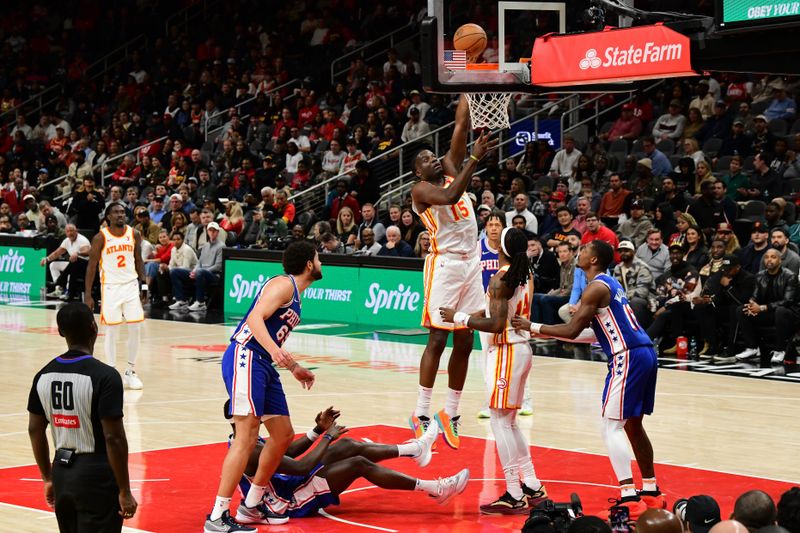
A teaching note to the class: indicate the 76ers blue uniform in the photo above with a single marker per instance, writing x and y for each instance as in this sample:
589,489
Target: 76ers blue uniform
490,262
630,388
253,383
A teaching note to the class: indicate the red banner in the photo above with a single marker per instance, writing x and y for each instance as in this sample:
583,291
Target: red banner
66,421
612,55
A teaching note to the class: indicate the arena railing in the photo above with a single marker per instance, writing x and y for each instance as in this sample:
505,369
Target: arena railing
394,38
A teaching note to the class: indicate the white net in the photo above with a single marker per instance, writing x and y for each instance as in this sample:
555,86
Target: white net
489,110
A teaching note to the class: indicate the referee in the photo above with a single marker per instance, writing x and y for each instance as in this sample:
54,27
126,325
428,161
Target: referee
82,399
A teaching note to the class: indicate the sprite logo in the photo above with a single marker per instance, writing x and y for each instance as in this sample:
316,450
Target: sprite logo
242,289
400,299
12,262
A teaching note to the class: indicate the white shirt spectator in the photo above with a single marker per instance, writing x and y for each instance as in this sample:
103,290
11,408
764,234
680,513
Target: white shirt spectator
423,107
72,247
292,161
531,224
564,162
669,125
61,124
302,143
401,68
332,162
183,257
414,130
26,130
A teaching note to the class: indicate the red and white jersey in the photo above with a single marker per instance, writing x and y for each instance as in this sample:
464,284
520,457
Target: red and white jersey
453,228
518,304
117,261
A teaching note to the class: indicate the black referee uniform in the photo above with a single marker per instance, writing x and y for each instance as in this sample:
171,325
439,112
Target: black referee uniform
74,391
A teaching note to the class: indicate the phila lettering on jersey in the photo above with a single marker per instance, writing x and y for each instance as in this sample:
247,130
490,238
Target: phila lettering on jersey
490,262
117,260
453,228
279,324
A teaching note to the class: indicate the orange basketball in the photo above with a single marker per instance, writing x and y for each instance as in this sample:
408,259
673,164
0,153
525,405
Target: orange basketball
471,38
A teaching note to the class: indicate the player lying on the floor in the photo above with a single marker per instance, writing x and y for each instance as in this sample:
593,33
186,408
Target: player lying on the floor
301,487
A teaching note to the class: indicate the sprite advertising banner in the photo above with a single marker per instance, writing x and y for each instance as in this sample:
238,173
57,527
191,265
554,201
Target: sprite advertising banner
21,275
357,295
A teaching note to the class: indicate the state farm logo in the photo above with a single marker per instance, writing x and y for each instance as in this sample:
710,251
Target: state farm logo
66,421
591,60
614,56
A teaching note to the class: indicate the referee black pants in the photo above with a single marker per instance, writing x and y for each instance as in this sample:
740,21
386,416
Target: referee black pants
86,496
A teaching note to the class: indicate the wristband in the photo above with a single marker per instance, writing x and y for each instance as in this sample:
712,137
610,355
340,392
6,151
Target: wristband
291,368
312,435
328,436
474,158
536,328
461,319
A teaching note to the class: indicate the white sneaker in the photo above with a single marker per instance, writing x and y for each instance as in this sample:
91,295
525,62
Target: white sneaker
748,353
777,357
131,380
527,403
484,413
198,306
55,293
178,305
426,445
450,486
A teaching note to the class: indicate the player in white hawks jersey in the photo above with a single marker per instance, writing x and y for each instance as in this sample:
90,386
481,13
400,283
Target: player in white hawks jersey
452,274
508,363
116,251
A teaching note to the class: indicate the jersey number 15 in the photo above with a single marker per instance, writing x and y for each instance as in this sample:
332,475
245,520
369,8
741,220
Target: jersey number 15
459,210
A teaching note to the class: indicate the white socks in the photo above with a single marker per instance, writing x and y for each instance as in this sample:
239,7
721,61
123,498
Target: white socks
133,342
424,485
617,444
220,506
254,495
423,401
110,344
409,449
649,484
502,421
451,403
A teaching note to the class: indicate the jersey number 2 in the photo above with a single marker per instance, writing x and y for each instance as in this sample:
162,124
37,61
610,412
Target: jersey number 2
459,210
121,261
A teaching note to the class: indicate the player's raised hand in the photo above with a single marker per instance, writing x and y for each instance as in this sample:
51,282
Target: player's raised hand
326,418
447,314
484,145
304,376
522,323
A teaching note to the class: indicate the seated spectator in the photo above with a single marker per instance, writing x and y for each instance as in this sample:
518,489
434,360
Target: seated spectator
333,158
565,159
330,244
765,184
545,306
660,164
182,256
736,182
751,255
205,273
738,142
158,258
779,240
636,227
415,127
409,225
755,510
68,264
370,220
521,209
664,218
670,125
782,106
725,234
611,206
675,290
5,225
696,251
178,224
351,158
283,207
704,101
643,186
789,510
233,221
707,212
637,280
587,192
343,198
156,209
395,246
346,227
691,148
625,127
772,302
423,245
566,228
595,230
368,245
717,125
773,214
654,253
544,265
145,226
694,124
715,257
702,173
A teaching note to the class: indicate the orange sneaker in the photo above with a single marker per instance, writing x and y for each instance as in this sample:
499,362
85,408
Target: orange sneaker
449,427
653,499
419,424
634,504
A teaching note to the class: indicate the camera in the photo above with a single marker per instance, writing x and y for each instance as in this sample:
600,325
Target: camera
556,515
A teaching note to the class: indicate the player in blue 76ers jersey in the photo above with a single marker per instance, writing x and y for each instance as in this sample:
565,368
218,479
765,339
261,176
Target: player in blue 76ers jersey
630,387
255,389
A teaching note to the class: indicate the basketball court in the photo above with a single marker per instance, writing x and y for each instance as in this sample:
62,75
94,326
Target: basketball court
712,433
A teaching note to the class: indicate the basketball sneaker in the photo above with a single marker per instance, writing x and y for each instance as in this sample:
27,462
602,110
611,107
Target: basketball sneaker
534,497
484,414
226,524
449,427
179,305
747,353
131,380
653,499
426,445
198,306
259,515
419,425
634,504
777,357
451,486
506,504
527,403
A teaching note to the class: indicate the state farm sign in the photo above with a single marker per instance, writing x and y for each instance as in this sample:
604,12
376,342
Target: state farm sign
613,55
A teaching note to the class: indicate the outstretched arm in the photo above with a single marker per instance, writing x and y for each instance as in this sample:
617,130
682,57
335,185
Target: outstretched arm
454,157
304,466
575,328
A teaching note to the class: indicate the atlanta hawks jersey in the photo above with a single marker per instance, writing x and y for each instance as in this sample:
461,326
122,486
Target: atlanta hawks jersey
518,304
117,261
453,228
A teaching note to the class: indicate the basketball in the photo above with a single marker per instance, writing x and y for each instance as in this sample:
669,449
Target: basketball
471,38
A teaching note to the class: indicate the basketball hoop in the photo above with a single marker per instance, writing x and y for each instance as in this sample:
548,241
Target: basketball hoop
489,110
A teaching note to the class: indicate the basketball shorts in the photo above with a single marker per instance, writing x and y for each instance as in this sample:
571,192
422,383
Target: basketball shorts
299,496
120,303
507,369
451,281
253,384
630,389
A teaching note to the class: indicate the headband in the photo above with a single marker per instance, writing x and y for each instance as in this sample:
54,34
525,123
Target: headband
503,241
